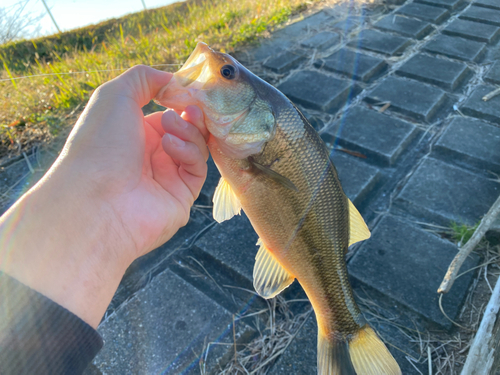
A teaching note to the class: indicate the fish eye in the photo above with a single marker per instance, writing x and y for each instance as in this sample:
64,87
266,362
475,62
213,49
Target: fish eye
228,71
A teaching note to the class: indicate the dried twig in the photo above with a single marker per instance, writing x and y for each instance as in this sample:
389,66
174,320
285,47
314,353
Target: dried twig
491,95
464,252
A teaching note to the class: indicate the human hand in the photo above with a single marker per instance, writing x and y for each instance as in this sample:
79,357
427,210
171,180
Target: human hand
122,186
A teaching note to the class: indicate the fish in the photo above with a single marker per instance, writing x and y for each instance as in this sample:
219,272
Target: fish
275,167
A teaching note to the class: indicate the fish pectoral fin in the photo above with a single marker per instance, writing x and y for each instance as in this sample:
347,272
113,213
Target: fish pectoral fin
226,203
357,226
275,176
269,276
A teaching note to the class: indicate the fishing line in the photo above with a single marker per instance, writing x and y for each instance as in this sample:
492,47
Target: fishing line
85,71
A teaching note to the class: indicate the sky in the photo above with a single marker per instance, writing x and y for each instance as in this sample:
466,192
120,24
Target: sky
70,14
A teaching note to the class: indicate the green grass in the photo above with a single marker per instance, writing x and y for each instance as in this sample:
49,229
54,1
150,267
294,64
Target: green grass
461,233
35,108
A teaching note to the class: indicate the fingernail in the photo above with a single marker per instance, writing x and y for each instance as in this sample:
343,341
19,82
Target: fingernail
176,141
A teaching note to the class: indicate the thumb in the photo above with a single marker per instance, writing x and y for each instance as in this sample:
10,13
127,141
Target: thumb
141,83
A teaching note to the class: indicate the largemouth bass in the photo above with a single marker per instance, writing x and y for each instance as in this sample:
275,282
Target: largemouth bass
276,168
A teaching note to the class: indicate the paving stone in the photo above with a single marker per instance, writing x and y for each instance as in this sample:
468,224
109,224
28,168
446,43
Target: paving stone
377,136
475,106
163,329
405,26
399,257
376,41
348,25
481,14
425,12
317,91
470,142
411,98
493,4
232,242
353,65
444,193
322,40
443,73
357,178
284,61
456,48
473,30
451,5
493,74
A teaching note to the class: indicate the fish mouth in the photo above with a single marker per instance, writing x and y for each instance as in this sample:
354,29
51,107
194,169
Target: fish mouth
187,84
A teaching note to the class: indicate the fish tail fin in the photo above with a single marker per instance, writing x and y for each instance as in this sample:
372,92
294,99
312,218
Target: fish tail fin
333,357
364,354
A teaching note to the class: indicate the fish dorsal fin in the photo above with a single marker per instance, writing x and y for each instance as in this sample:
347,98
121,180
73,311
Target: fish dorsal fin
357,226
226,203
275,176
269,276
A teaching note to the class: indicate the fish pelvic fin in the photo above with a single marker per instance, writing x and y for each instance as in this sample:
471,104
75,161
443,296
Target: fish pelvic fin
358,231
226,203
269,276
364,354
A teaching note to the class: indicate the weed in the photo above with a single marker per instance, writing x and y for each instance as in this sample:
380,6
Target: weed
461,233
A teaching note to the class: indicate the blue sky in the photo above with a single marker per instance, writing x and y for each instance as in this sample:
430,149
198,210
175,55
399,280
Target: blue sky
70,14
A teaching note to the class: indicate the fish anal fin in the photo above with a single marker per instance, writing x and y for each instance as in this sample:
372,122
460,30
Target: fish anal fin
363,354
369,355
269,276
358,231
226,203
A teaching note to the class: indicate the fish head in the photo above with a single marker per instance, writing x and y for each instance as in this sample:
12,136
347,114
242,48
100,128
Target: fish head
229,96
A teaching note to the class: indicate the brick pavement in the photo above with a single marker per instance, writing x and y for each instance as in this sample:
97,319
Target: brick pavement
428,156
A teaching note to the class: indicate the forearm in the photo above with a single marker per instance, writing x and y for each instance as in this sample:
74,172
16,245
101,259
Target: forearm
55,241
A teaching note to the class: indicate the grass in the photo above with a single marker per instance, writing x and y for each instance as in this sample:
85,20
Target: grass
461,233
61,71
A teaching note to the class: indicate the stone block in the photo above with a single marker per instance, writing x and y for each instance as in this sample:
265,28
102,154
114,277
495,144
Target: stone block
376,41
440,72
493,74
377,136
456,48
471,142
358,178
353,65
164,328
407,264
284,61
479,32
492,4
232,243
451,5
405,26
411,98
444,193
317,91
481,14
436,15
323,40
348,25
475,106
